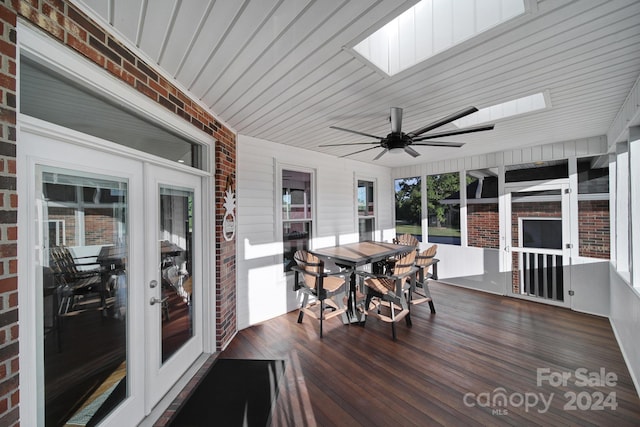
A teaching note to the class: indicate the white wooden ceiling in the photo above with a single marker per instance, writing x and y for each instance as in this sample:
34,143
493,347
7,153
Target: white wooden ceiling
282,70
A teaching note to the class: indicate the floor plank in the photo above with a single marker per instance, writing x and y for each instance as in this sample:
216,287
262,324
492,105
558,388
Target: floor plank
477,345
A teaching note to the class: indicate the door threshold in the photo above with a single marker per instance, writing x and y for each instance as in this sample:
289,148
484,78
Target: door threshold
164,411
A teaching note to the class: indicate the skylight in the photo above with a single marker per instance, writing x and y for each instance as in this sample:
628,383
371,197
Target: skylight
430,27
526,104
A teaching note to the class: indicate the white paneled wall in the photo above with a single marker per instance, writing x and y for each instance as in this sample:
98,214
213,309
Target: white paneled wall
263,291
556,151
625,320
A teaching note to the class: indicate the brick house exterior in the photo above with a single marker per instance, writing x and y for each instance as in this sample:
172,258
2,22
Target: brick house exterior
483,225
64,22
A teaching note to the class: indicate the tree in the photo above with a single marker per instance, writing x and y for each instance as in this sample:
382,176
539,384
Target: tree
409,200
440,187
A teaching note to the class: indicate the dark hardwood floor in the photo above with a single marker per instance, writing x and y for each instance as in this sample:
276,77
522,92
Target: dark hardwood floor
477,361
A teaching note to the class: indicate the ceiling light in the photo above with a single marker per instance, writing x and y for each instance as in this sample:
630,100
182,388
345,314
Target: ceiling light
396,150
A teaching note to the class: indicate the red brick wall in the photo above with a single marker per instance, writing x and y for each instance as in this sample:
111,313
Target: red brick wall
9,386
69,26
483,225
593,228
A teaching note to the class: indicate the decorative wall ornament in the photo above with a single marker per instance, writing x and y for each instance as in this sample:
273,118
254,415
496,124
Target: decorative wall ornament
229,219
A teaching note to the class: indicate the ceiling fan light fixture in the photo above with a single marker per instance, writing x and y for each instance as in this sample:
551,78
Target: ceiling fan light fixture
396,150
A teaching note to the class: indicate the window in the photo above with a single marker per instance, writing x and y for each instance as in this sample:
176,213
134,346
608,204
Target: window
443,207
366,210
593,207
623,230
56,232
507,109
431,27
541,233
56,99
634,204
537,171
483,220
297,213
409,206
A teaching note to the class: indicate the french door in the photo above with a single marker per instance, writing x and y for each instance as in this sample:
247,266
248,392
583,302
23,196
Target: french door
538,242
111,299
174,277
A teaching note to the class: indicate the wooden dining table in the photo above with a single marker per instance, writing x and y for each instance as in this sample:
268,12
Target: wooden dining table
354,255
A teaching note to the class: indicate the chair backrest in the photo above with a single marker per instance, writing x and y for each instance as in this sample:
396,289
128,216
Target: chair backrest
425,257
311,265
62,263
407,239
404,264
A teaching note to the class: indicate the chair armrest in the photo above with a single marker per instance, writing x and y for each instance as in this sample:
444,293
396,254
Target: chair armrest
302,271
368,275
411,272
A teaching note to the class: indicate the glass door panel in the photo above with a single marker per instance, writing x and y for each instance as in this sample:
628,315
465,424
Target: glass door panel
174,277
83,223
176,259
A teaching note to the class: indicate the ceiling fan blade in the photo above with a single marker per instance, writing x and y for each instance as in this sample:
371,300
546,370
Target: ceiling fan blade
443,121
381,154
349,143
454,132
439,144
361,151
396,120
411,151
356,132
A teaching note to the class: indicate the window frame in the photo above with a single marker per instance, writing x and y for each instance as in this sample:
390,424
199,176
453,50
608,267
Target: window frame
462,221
423,204
623,230
358,179
281,167
634,206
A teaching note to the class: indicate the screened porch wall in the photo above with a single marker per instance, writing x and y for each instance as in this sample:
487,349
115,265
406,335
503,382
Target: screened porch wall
478,270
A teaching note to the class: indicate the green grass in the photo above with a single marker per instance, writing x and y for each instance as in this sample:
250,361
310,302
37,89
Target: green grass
408,229
445,232
433,231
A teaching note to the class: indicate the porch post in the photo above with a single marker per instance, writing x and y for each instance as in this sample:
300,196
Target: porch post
634,203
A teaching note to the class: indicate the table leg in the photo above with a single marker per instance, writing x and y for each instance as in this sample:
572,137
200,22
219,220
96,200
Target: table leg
352,314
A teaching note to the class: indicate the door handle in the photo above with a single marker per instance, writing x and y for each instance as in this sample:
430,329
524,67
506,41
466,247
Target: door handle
154,300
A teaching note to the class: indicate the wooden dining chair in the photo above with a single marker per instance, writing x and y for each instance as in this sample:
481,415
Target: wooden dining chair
406,239
328,290
385,293
403,239
419,292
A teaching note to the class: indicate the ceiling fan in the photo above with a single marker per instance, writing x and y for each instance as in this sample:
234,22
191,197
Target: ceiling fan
398,141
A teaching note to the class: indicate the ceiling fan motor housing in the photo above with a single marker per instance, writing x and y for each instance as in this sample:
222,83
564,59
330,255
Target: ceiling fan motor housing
396,140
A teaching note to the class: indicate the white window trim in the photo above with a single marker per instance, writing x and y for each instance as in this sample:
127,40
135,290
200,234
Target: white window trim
37,46
634,204
278,235
357,216
622,211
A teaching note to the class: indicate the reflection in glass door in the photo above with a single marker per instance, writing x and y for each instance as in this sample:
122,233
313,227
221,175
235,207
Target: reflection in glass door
176,259
83,222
